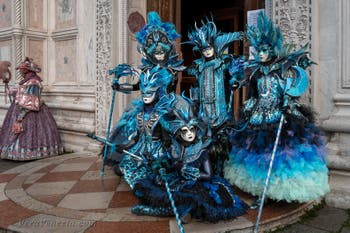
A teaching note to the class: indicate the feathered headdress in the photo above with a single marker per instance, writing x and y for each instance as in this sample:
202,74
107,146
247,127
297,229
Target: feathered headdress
156,31
156,37
208,36
265,33
153,79
155,24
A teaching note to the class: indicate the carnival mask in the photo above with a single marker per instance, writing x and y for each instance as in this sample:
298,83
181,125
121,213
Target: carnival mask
159,56
264,53
149,97
208,52
188,134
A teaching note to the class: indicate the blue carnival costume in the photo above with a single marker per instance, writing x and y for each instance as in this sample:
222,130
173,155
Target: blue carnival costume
193,187
277,79
157,45
212,91
139,130
211,88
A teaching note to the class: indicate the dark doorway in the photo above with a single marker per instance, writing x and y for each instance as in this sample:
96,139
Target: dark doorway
229,16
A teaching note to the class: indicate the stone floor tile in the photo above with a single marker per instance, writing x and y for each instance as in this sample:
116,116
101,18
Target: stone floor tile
50,199
91,186
206,227
7,177
94,216
124,214
82,159
25,186
70,167
86,201
20,197
61,176
345,230
301,228
97,166
23,168
272,210
329,219
12,213
130,227
43,223
123,186
3,196
67,213
47,168
33,178
123,199
50,188
96,175
16,182
33,169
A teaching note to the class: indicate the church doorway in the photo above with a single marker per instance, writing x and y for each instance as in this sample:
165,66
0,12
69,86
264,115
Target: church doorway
229,16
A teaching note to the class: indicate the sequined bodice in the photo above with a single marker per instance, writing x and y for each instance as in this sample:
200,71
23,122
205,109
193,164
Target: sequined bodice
266,108
269,94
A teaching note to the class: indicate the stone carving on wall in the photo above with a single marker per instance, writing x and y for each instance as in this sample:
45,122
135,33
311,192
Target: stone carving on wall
35,13
136,21
294,19
65,13
345,46
5,13
103,61
65,61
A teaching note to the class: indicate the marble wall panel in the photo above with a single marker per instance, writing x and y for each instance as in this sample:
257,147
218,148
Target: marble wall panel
65,13
6,50
65,52
5,13
35,51
35,13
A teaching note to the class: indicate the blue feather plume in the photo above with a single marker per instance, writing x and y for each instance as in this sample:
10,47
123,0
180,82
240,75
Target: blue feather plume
155,23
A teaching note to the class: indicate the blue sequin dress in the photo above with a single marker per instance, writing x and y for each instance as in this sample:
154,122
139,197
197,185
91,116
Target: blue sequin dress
299,171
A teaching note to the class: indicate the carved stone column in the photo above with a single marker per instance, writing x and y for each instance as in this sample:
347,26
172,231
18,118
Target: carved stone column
334,89
103,63
294,19
18,28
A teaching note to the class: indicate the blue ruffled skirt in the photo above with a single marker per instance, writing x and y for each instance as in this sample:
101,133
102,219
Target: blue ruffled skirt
299,171
211,201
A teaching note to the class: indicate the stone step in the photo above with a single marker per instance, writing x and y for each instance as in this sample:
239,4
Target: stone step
242,224
340,189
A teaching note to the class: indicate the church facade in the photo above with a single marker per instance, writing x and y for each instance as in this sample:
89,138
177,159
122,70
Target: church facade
77,41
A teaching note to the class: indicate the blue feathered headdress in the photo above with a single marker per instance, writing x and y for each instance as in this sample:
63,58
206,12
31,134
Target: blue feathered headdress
208,36
155,24
265,33
153,79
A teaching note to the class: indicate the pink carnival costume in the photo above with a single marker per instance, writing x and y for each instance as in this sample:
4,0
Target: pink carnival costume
29,130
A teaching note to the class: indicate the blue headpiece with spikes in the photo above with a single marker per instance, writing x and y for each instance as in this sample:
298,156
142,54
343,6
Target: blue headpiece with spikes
208,36
183,115
157,37
265,33
153,79
156,28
